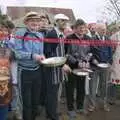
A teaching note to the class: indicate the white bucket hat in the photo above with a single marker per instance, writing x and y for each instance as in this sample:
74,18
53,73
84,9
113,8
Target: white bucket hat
61,17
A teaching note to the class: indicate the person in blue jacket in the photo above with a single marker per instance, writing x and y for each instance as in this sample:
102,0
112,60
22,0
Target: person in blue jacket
29,54
101,54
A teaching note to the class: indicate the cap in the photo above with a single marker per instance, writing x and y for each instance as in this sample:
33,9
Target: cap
4,78
61,16
31,15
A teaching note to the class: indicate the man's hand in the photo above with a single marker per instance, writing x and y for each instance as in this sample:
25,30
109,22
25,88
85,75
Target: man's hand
95,62
38,57
83,65
87,65
66,69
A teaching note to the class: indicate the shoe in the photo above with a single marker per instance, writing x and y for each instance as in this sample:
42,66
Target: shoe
80,111
18,116
72,114
71,118
91,108
10,115
106,108
111,102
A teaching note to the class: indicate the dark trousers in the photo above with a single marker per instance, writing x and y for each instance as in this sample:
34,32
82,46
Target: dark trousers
78,83
30,90
43,88
3,112
51,99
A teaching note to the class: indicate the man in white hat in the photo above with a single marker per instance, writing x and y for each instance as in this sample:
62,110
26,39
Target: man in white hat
54,75
60,21
29,54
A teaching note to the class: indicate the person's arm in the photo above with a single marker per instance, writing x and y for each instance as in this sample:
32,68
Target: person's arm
71,59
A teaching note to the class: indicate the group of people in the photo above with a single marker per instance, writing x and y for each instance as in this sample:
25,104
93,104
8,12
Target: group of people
35,86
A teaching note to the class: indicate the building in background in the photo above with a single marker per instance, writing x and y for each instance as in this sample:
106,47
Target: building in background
17,13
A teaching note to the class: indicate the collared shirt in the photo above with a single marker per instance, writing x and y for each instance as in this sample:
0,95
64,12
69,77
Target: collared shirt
58,73
59,33
60,48
101,37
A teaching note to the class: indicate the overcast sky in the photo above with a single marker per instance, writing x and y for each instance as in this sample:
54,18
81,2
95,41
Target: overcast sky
89,10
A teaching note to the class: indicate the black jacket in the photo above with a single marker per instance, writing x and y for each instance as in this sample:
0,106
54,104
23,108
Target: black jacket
76,52
54,74
50,48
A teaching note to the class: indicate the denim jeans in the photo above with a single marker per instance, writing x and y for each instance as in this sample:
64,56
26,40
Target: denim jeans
16,104
3,112
93,88
111,92
104,76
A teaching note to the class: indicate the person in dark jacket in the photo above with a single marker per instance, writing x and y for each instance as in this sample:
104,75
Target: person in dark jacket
77,59
54,75
44,25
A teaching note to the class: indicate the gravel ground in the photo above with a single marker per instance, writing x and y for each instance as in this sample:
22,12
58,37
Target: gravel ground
99,114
